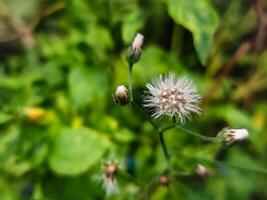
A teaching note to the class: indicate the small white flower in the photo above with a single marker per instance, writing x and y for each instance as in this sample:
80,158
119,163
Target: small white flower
233,135
122,95
172,97
138,42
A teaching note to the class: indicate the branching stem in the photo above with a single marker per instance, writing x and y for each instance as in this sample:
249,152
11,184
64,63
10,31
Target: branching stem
159,130
130,80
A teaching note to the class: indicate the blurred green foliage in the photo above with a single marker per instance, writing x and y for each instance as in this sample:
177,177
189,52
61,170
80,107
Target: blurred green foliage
60,62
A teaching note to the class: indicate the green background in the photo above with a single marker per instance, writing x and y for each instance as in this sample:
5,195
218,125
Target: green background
66,58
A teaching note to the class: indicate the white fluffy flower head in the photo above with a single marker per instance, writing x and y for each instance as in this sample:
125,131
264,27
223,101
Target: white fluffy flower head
170,96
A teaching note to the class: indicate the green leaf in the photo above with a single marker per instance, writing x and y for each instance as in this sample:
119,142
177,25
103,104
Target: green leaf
131,24
86,85
5,117
21,151
199,18
75,150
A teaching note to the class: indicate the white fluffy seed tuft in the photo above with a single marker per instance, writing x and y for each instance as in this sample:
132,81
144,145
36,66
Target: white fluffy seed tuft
173,97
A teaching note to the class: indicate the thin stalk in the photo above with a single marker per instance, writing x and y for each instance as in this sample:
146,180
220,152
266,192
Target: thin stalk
160,131
168,127
205,138
130,79
163,144
147,117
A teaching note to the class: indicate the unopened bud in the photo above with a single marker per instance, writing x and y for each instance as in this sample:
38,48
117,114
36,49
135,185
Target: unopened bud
134,52
164,181
122,95
138,42
202,171
229,136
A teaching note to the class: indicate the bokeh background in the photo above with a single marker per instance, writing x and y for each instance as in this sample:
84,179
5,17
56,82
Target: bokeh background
61,61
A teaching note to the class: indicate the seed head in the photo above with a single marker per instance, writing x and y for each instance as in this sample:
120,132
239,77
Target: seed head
172,97
122,95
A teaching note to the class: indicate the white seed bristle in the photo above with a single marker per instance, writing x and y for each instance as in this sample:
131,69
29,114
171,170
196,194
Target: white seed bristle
172,97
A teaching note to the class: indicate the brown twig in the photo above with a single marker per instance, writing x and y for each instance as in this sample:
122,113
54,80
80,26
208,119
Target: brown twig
240,52
24,31
262,31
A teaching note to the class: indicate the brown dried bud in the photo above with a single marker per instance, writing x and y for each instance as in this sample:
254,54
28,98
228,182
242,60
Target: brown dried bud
164,181
122,95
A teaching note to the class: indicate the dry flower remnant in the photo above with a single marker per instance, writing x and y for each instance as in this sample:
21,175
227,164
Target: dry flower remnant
110,184
172,97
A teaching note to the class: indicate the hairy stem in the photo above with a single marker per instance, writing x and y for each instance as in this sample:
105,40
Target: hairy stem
159,130
130,80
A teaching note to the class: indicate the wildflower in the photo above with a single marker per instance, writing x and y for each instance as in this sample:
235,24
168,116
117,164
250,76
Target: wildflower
229,135
202,171
164,181
121,95
109,179
172,97
34,114
134,52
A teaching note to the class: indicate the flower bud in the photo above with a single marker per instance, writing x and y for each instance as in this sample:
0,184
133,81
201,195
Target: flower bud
138,42
164,181
134,52
122,95
202,171
229,136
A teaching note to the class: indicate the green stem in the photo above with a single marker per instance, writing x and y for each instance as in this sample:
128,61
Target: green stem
169,127
147,117
163,144
130,80
160,131
205,138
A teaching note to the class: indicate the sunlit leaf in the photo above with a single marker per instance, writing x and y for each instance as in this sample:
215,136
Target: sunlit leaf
75,150
86,85
199,18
